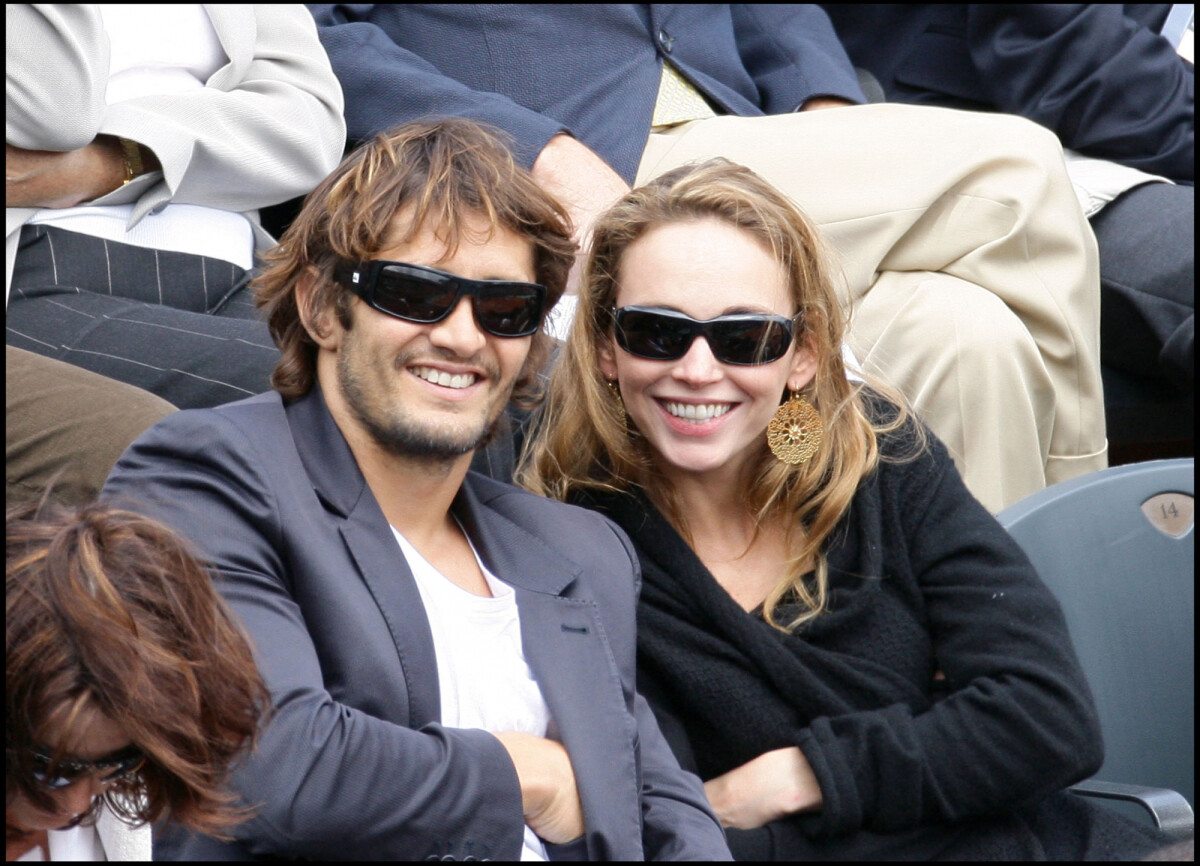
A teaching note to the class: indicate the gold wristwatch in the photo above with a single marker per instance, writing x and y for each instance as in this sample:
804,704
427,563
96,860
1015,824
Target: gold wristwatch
131,152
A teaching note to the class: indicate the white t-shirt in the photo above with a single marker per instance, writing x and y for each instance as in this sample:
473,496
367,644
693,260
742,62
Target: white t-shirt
484,680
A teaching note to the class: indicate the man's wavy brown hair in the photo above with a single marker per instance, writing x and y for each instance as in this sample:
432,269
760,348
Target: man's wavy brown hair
439,173
110,611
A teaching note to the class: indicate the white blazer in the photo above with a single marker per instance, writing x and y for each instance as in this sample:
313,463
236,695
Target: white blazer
266,127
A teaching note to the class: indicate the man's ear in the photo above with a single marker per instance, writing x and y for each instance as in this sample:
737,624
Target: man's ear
322,325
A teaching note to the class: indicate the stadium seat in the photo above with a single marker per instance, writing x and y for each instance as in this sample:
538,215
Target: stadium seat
1117,548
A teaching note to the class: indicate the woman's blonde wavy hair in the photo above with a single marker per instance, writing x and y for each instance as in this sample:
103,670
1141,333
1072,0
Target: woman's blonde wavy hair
583,442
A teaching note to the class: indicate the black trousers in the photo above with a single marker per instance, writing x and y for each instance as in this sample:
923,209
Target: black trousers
1148,282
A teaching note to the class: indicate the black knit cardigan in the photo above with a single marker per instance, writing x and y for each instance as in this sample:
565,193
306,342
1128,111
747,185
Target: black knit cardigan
939,700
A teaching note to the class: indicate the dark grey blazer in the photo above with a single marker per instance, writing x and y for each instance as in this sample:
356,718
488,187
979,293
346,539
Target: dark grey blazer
354,763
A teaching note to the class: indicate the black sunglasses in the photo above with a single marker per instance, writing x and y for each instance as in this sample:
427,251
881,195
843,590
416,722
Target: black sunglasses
67,771
744,339
426,295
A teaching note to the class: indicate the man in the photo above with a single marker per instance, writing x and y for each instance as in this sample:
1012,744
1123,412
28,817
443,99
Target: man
972,272
451,659
1115,90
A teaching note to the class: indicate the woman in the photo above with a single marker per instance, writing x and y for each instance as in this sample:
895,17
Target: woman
129,687
832,632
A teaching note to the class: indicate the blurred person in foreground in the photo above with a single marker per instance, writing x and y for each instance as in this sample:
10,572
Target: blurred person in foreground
129,688
833,632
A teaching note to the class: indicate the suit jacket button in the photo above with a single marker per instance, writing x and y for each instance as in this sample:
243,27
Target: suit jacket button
666,40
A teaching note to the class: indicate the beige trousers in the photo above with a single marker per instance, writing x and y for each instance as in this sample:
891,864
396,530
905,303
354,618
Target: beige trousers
970,269
66,426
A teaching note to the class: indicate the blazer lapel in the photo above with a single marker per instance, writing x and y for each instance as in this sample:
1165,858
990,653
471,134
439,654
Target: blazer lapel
566,647
340,486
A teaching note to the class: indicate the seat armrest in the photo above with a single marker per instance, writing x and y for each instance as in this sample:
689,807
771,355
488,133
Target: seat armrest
1169,809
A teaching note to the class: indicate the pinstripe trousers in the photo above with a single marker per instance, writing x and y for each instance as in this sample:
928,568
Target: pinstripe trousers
178,325
183,327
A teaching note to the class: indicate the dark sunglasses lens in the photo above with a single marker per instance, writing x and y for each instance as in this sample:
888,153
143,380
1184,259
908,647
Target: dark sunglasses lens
55,776
127,767
750,341
56,781
653,336
60,778
417,298
511,311
66,772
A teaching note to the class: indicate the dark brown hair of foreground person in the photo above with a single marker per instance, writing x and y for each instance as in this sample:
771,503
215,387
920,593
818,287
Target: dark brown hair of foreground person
438,173
104,607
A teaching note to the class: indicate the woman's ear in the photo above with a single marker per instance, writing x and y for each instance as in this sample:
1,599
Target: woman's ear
322,326
608,359
804,366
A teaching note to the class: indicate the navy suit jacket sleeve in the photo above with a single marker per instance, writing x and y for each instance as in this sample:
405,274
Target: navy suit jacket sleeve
386,85
793,54
1106,84
328,781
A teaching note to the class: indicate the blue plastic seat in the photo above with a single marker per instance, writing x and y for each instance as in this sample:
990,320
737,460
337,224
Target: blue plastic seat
1117,548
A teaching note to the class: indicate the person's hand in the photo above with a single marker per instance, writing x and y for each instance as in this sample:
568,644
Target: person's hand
819,102
57,179
773,785
583,183
549,795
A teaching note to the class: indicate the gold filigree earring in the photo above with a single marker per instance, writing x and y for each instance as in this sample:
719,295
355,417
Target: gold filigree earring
616,392
796,431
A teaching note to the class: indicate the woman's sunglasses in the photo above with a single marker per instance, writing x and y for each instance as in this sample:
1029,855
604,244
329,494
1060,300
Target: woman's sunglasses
67,771
424,295
744,339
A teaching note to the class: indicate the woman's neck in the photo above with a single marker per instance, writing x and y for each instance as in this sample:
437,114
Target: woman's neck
747,558
713,511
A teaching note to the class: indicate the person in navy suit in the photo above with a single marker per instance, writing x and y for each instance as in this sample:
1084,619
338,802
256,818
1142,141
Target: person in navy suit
1105,80
451,659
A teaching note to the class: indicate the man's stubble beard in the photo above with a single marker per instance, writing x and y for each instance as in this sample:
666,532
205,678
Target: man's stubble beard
395,431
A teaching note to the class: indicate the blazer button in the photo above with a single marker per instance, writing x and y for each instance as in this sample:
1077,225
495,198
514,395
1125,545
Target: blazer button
666,40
